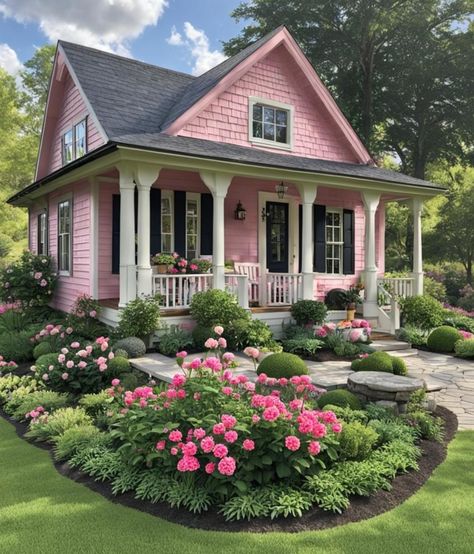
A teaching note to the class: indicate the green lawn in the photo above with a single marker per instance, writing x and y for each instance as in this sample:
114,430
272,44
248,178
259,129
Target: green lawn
43,512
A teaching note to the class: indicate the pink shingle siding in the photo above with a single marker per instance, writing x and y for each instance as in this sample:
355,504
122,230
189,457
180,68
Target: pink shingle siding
72,110
276,78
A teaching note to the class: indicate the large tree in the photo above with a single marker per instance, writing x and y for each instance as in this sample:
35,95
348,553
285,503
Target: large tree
359,46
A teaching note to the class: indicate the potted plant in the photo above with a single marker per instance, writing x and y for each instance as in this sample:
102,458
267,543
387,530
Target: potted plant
202,265
352,297
162,261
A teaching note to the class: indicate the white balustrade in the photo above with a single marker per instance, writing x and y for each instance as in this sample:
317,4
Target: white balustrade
238,284
177,291
398,286
283,289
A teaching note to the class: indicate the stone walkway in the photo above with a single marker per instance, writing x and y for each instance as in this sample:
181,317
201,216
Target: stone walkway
450,380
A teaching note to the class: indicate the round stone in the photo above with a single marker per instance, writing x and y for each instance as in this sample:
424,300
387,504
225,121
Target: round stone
384,382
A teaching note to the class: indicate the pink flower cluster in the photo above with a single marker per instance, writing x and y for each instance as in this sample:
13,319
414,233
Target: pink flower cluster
36,413
51,330
141,395
466,334
4,363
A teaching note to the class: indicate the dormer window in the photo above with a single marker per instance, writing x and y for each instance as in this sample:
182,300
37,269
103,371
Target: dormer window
270,123
74,142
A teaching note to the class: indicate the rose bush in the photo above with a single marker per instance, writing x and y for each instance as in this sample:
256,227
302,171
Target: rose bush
80,368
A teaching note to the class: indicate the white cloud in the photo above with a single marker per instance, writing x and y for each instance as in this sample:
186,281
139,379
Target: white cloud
175,38
199,47
9,60
104,24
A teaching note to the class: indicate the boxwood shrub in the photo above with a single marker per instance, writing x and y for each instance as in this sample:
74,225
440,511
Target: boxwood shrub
282,364
464,348
422,311
443,339
380,361
340,397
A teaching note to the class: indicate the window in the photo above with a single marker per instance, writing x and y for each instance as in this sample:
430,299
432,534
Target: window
64,237
74,142
270,123
192,225
167,224
42,247
334,241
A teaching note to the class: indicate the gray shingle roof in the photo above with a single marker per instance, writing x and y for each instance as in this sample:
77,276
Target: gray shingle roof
230,152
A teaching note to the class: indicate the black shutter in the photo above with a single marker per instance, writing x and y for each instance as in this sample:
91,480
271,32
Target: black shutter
300,237
180,222
207,221
115,233
349,250
155,221
319,225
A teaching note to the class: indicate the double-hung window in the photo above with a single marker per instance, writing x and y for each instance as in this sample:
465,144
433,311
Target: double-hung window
192,225
167,221
270,123
64,237
42,226
334,241
74,142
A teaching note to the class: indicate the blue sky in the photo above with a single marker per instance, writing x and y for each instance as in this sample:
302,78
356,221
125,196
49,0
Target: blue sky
184,35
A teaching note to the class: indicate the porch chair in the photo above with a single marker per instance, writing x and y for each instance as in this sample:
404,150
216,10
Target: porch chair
253,273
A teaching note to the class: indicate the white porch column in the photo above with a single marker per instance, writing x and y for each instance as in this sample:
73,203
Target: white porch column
308,193
145,177
371,202
218,184
128,280
417,210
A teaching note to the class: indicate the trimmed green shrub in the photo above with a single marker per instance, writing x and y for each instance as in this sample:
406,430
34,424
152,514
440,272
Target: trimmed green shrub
422,311
174,340
355,364
52,425
121,353
464,348
242,333
17,346
282,365
44,361
216,307
200,335
307,312
129,381
443,339
20,405
377,361
134,347
118,365
76,438
356,441
399,366
41,349
340,397
139,318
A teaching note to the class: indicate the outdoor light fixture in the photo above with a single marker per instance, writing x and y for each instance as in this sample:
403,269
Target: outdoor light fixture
281,189
240,212
264,214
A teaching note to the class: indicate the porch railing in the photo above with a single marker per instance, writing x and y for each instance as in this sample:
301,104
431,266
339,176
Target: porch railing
397,286
177,291
238,284
283,289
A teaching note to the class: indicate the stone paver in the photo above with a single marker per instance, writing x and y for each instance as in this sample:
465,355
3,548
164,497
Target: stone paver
450,380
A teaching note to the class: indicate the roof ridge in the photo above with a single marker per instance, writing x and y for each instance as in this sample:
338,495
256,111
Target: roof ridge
125,58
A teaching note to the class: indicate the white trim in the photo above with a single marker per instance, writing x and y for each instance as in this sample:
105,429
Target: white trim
197,197
169,194
94,238
253,100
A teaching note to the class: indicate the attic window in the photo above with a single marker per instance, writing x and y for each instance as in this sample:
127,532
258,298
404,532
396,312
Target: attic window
74,142
270,123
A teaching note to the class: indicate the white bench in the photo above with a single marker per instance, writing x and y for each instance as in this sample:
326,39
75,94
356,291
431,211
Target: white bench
252,271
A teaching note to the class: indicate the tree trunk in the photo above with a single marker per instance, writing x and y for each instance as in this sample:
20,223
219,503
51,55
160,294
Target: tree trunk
469,271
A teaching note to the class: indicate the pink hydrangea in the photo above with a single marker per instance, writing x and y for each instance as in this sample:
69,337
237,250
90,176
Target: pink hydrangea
160,445
188,463
175,436
195,364
219,429
229,421
222,342
207,444
220,450
189,449
178,380
218,330
227,391
61,358
82,364
271,413
248,445
65,376
228,357
321,332
211,344
115,382
199,433
227,466
213,363
174,451
255,418
69,364
336,427
231,436
252,352
210,468
314,448
181,354
292,443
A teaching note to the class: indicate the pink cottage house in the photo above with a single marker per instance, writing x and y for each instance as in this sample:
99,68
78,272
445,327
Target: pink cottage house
136,159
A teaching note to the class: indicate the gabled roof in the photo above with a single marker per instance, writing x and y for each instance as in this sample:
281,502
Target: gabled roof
127,96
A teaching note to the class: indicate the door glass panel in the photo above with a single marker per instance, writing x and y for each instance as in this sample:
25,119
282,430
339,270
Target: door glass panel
277,237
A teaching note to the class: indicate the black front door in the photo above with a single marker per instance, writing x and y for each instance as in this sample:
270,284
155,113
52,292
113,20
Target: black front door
277,237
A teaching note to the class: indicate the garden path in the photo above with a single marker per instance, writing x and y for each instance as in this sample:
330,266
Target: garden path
450,380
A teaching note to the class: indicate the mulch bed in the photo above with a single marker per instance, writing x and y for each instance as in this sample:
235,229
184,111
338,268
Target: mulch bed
403,486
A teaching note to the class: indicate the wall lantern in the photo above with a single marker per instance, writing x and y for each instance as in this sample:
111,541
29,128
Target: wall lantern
240,212
281,190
